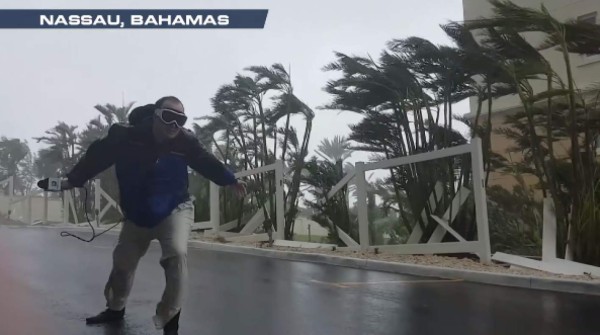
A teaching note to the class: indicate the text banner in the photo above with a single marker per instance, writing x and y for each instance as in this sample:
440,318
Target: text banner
129,19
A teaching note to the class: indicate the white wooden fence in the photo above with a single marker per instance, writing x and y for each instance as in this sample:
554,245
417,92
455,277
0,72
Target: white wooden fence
247,232
26,208
550,262
480,246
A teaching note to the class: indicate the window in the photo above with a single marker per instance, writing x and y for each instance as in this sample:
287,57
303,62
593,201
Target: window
589,18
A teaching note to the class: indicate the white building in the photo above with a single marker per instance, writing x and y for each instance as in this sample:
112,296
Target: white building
586,70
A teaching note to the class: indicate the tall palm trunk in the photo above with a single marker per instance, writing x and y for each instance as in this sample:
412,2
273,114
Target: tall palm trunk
263,125
266,158
292,209
488,150
579,189
287,127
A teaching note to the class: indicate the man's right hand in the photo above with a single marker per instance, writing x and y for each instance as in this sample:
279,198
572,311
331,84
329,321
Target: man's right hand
65,184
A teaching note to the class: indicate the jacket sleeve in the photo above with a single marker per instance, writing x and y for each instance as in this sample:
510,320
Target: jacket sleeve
100,155
205,163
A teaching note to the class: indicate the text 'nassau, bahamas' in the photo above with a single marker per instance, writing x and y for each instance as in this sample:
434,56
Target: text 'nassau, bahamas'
133,20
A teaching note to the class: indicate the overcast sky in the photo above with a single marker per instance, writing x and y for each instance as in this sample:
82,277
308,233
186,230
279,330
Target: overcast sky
49,76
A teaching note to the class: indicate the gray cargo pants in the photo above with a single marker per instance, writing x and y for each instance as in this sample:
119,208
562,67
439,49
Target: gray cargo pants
172,234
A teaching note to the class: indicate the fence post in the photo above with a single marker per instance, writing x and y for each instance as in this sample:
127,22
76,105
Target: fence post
75,193
215,212
65,207
29,208
97,199
548,230
361,205
279,200
11,193
480,198
45,206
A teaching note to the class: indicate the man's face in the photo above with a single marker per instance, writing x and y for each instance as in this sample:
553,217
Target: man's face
168,120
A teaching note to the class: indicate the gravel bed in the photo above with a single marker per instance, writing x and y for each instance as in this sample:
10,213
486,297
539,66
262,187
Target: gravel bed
430,260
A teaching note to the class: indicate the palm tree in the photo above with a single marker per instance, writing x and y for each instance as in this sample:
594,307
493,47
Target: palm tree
399,113
47,163
502,29
14,155
490,80
439,69
113,114
286,104
63,147
248,124
321,176
334,150
235,104
62,152
97,129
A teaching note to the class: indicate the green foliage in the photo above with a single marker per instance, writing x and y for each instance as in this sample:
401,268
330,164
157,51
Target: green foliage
586,230
322,176
254,133
16,160
515,220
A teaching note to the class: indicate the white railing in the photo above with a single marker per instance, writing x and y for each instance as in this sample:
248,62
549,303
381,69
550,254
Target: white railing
22,207
9,184
344,236
550,261
30,212
69,214
216,228
481,246
100,194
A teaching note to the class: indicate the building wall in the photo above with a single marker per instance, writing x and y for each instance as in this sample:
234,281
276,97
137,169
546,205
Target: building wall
586,70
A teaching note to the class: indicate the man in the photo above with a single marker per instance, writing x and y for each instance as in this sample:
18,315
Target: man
151,159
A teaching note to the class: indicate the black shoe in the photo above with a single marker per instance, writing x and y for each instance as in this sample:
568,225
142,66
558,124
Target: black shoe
108,316
172,327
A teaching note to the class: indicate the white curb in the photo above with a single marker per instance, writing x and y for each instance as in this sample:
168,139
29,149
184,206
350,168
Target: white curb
502,279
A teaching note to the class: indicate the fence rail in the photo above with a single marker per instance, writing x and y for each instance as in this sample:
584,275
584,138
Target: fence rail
444,221
481,246
277,167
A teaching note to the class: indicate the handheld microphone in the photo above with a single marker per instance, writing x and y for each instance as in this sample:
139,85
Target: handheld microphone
50,184
54,185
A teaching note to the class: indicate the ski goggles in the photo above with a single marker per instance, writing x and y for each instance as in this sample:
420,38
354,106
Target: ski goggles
171,117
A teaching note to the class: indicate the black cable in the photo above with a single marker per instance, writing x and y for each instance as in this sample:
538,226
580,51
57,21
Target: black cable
65,233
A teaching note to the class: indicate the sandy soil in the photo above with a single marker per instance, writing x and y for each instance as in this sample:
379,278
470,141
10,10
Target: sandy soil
431,260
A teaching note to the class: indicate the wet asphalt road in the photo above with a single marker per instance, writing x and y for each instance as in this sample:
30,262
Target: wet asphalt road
49,284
